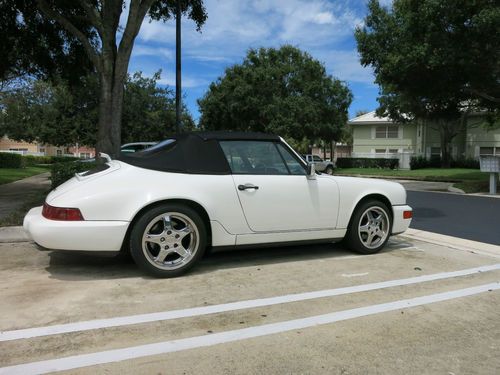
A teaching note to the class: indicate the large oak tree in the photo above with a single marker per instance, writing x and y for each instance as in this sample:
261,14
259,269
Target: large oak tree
95,24
435,60
283,91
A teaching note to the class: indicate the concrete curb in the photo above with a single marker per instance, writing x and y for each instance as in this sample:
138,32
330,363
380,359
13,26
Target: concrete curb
13,234
454,242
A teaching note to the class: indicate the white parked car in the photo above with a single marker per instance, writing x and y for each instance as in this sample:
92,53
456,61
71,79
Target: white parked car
168,203
324,166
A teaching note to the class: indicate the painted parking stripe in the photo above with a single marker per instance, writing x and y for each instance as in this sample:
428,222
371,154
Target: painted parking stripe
233,306
116,355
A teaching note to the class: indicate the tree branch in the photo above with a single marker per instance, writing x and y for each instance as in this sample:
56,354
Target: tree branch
93,15
64,22
137,12
483,95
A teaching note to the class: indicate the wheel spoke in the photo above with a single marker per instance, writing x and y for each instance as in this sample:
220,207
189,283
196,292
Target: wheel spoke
369,239
167,223
183,232
154,238
364,228
369,215
162,255
181,251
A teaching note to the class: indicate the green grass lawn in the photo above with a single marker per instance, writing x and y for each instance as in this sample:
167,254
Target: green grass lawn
426,174
13,174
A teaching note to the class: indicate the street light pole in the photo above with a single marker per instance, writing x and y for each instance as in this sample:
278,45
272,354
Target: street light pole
178,83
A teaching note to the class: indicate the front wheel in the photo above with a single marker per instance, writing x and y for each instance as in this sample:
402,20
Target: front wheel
370,227
168,240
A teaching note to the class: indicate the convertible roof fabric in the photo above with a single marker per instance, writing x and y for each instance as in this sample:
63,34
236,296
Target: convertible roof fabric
196,153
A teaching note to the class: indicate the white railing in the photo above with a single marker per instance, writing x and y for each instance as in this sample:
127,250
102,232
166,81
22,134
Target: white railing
23,152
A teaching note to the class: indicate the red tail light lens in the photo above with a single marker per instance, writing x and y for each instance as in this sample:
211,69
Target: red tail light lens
407,214
61,213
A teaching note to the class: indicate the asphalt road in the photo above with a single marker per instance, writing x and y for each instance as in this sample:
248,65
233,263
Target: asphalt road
470,217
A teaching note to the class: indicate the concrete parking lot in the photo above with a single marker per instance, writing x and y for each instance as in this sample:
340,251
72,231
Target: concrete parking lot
300,310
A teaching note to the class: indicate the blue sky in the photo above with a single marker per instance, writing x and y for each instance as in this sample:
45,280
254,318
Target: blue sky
322,28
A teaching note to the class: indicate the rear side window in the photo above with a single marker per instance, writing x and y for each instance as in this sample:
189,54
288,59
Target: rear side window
254,157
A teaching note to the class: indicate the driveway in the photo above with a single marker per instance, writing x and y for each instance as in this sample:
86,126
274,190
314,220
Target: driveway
470,217
415,308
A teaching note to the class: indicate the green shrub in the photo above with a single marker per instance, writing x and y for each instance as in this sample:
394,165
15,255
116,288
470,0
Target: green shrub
9,160
31,160
62,172
465,163
418,162
367,163
62,159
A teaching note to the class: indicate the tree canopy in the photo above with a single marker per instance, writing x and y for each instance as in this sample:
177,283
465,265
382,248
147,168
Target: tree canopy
35,46
434,59
58,114
283,91
92,27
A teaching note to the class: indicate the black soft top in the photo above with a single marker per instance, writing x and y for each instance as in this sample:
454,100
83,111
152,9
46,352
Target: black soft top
194,152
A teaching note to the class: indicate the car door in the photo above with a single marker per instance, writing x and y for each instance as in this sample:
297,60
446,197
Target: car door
274,191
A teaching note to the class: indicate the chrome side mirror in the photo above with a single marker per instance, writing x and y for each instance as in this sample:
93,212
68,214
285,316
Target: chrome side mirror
311,171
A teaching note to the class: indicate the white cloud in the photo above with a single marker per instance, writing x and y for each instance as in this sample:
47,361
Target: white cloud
187,81
345,65
144,50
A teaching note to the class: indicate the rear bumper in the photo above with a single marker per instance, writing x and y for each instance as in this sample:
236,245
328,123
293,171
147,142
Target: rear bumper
400,224
74,235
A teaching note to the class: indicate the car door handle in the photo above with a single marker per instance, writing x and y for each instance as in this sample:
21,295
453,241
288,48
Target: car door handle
247,186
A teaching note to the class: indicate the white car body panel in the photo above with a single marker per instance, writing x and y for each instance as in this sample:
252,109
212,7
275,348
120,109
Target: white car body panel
288,202
285,208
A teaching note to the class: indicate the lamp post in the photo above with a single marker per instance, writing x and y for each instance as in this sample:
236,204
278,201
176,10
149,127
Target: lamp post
178,83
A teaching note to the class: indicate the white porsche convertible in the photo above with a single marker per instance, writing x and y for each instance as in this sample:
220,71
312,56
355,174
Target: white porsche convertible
170,202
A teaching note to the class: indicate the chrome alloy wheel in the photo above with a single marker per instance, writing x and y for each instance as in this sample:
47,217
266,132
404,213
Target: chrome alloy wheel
373,227
170,240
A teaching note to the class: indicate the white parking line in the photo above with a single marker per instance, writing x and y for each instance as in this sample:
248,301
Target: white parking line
116,355
205,310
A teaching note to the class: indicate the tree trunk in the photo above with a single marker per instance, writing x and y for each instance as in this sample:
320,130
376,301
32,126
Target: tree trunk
110,114
446,137
331,151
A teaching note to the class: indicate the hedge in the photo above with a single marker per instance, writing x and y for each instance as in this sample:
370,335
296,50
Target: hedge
62,172
34,159
367,163
9,160
419,162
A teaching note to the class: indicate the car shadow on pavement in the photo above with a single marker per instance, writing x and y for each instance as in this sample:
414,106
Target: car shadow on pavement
74,266
80,267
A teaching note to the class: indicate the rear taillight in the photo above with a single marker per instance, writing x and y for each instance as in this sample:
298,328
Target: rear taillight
407,214
61,213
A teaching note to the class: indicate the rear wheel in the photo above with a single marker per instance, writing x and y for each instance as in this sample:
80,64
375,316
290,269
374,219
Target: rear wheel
329,170
168,240
370,227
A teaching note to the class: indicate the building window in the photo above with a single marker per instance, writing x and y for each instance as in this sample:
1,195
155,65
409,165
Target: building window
19,149
393,151
435,151
380,151
59,152
42,149
386,131
488,151
85,155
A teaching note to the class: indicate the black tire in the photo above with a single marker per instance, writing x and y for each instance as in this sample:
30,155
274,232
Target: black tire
357,241
329,170
144,257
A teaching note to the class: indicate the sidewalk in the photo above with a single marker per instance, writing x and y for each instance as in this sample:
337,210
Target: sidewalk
15,194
